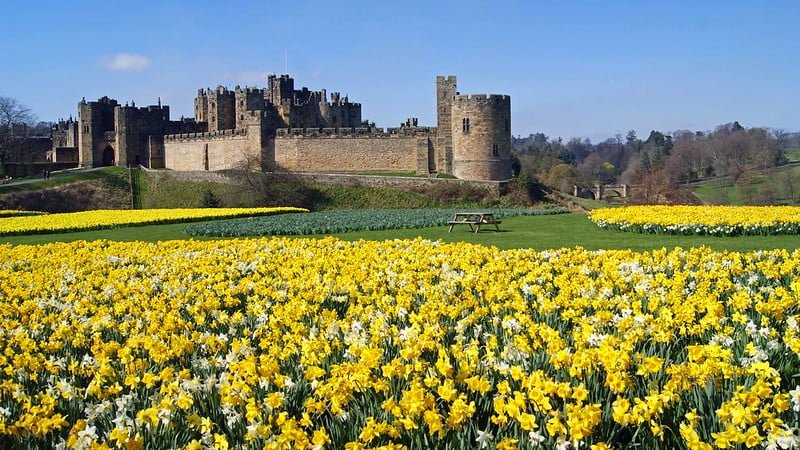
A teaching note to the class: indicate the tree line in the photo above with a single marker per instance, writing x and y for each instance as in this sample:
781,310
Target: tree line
662,164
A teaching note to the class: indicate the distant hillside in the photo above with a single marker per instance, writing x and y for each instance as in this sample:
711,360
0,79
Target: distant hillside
777,186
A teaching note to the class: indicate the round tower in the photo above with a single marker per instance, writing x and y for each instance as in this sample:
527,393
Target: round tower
481,127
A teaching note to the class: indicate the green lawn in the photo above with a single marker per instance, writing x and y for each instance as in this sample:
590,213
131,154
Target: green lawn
793,154
66,177
539,232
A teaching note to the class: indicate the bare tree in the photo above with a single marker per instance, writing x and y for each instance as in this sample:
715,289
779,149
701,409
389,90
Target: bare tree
15,118
14,114
791,183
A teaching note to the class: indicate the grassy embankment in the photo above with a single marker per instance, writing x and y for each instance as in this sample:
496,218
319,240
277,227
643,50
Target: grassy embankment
166,192
106,188
65,177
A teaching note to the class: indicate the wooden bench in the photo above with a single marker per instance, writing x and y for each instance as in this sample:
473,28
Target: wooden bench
474,220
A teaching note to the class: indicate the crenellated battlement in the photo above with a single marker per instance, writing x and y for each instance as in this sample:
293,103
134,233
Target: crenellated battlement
248,90
220,134
219,90
373,132
459,98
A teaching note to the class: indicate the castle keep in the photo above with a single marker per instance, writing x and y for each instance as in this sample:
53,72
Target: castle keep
279,128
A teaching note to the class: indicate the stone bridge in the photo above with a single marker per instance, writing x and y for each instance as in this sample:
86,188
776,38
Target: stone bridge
598,191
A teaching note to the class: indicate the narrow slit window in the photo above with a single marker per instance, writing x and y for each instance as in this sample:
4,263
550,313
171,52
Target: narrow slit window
495,150
465,125
507,125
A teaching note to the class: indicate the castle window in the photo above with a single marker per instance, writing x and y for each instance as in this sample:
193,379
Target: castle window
507,125
495,150
241,117
465,125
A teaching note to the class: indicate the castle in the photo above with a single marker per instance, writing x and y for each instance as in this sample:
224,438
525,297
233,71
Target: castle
279,128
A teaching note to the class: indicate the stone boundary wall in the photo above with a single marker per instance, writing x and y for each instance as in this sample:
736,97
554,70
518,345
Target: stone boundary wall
194,176
495,187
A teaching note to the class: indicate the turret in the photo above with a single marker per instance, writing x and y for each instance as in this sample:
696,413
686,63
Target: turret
481,130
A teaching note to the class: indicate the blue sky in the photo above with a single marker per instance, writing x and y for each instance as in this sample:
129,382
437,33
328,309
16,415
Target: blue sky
573,69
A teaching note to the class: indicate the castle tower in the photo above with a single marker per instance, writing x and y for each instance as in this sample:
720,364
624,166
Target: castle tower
134,128
96,134
201,106
281,97
248,100
279,89
217,107
481,134
445,91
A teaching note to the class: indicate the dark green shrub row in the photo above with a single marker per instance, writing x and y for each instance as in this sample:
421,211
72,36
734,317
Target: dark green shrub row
339,221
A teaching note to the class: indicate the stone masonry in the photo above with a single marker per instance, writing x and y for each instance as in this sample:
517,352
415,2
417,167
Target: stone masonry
281,129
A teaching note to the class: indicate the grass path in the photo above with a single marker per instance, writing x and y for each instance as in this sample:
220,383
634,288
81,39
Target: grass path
539,232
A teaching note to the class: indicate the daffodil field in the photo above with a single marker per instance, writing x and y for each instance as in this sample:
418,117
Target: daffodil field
711,220
100,219
312,344
16,213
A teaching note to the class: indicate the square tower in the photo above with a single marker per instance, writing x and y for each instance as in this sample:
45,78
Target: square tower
445,93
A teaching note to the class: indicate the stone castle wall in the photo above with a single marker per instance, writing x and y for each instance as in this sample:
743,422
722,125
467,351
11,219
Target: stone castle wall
215,150
302,151
339,153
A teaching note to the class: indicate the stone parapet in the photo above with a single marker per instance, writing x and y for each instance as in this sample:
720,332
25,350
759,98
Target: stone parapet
206,135
355,132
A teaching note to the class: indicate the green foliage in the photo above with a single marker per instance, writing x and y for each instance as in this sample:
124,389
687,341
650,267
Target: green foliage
136,187
210,200
167,192
339,221
561,177
792,154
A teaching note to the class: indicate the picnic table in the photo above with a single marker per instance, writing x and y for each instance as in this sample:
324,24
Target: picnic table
474,220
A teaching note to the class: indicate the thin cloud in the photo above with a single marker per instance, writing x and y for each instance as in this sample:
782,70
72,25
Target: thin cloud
126,62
